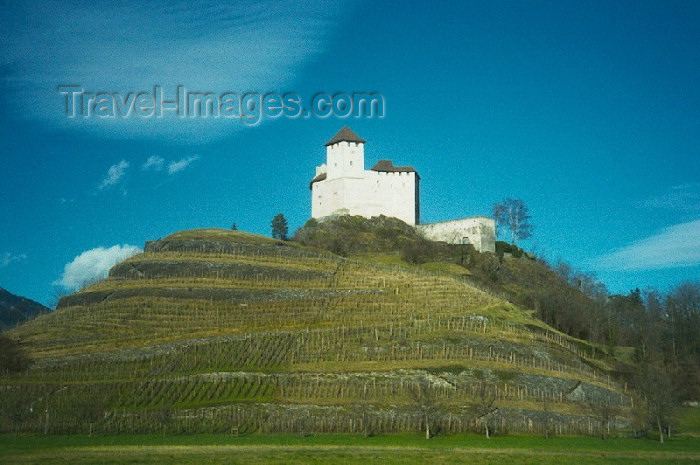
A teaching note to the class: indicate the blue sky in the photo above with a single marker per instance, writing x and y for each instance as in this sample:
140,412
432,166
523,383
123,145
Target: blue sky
588,111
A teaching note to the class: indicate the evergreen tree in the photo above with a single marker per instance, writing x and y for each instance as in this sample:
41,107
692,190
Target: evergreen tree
279,227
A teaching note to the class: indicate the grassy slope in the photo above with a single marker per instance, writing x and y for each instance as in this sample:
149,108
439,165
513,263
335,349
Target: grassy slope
305,330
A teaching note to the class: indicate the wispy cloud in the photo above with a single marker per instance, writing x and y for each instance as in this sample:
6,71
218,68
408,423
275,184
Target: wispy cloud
181,164
94,264
675,246
131,46
154,163
683,197
7,258
114,174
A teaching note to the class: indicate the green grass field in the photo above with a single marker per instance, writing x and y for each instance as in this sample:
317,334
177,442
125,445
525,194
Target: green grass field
345,448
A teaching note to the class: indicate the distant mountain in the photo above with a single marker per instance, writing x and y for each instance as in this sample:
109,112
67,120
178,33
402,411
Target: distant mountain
16,309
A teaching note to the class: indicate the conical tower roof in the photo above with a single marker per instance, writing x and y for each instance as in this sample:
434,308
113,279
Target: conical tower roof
345,135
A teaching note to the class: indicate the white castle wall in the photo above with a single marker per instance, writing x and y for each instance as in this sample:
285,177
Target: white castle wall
350,189
391,194
480,231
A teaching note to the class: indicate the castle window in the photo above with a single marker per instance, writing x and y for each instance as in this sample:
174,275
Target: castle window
350,162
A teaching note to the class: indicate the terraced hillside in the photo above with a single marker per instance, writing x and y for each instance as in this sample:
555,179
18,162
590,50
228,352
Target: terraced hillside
218,331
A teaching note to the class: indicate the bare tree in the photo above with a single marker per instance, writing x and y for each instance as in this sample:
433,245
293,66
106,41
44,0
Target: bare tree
483,406
548,421
424,400
654,384
511,214
57,293
363,413
605,412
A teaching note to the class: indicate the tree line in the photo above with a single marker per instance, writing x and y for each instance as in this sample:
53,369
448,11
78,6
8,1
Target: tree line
662,330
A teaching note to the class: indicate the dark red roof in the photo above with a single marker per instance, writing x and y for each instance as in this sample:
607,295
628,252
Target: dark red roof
345,135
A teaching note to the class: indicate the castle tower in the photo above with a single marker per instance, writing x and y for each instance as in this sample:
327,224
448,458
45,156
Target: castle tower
345,155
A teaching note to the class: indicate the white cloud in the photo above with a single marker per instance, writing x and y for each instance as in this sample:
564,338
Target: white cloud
683,197
94,264
181,164
114,174
154,162
204,45
675,246
7,258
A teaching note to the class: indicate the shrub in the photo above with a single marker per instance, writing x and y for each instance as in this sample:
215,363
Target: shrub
504,248
13,357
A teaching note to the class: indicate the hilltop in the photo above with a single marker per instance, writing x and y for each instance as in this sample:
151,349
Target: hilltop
212,330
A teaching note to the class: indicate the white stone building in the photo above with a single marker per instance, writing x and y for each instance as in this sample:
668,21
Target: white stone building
480,231
342,186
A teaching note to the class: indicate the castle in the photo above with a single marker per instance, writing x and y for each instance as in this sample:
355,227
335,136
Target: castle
342,186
